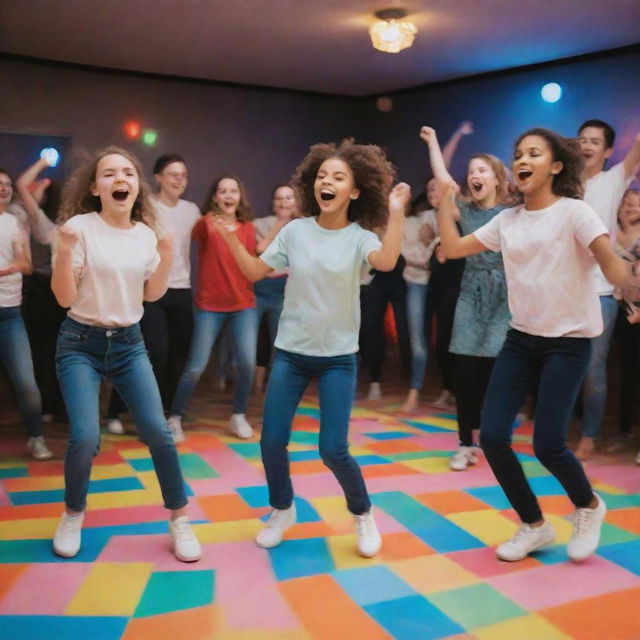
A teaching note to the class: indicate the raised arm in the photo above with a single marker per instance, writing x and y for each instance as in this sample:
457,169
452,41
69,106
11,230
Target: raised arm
63,280
438,165
385,259
448,151
454,245
43,228
631,161
253,268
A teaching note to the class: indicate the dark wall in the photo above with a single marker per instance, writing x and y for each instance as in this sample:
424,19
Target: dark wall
504,106
261,135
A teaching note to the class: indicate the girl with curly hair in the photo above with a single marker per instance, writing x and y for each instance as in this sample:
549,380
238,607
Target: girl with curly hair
224,297
345,189
107,261
481,316
548,244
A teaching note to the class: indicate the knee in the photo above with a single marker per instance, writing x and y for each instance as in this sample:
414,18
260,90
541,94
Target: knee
84,445
271,443
490,441
335,455
547,452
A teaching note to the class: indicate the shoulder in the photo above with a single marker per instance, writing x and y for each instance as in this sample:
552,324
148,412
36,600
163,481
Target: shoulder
83,221
191,207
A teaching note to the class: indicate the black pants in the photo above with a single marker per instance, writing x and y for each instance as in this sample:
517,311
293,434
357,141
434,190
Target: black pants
628,339
42,317
472,379
166,325
374,298
559,364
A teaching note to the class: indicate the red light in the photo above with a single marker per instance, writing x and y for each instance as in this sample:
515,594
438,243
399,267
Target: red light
132,129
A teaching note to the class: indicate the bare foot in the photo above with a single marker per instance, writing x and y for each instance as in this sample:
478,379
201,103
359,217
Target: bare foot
411,403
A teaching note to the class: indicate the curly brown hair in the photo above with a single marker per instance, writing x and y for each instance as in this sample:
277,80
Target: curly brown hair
373,175
244,212
77,197
568,182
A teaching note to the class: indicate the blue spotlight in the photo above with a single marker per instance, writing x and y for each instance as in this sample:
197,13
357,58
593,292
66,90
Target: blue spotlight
551,92
51,155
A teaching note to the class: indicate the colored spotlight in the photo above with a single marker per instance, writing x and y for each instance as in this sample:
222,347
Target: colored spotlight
551,92
150,137
51,155
132,129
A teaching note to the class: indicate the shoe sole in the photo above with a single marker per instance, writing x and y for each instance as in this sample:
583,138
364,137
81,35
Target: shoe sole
369,555
42,458
184,558
544,544
65,555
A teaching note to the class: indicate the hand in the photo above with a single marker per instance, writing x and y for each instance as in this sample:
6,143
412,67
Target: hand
225,225
440,257
466,127
633,314
427,134
9,269
448,191
165,247
426,234
50,156
67,238
399,197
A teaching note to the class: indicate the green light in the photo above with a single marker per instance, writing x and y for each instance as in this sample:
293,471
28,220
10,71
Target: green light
149,137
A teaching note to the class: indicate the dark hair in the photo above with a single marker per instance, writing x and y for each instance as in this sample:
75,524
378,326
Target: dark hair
419,204
373,175
607,130
6,173
568,182
164,161
77,197
244,212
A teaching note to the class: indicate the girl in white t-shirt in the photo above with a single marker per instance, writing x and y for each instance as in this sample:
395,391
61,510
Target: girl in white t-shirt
548,244
108,260
340,188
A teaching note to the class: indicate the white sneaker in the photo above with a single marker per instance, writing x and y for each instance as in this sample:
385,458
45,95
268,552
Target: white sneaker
38,448
586,531
375,393
462,458
279,521
115,427
175,426
526,540
184,543
240,427
369,540
66,541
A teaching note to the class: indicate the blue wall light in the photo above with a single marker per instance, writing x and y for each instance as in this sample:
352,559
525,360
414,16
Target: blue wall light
551,92
51,155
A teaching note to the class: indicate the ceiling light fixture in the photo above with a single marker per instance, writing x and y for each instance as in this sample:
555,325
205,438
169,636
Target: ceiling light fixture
388,34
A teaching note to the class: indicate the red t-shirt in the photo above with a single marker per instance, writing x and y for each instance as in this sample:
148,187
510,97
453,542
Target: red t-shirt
221,285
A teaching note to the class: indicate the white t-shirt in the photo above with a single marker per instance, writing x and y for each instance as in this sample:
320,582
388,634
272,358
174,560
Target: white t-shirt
178,222
604,192
414,251
321,313
111,266
263,227
10,285
548,267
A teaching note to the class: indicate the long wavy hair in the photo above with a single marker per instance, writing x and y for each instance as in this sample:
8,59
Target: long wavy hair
244,212
78,199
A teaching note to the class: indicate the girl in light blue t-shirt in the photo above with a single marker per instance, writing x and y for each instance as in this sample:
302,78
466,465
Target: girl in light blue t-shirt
345,190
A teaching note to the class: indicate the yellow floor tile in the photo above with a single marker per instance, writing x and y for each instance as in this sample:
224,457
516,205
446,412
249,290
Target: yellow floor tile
489,526
111,589
28,529
428,465
118,499
231,531
531,627
104,472
334,512
344,554
429,574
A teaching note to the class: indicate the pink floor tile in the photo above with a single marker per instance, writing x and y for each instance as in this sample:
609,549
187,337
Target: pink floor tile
483,562
45,589
625,477
553,585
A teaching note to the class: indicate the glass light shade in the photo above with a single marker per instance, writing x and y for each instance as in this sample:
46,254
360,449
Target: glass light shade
392,36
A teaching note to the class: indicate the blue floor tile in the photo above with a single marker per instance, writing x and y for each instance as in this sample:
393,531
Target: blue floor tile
372,584
298,558
254,496
625,554
429,428
389,435
493,496
61,628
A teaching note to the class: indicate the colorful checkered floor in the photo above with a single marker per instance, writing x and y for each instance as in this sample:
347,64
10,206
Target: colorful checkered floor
436,577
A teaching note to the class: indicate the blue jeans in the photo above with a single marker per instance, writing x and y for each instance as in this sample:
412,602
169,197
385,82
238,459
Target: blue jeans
15,355
84,356
269,299
416,302
243,330
290,376
559,364
595,383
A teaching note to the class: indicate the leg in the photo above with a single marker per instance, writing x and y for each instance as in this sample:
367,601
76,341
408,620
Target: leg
15,355
510,381
155,328
287,382
180,330
243,328
336,387
416,298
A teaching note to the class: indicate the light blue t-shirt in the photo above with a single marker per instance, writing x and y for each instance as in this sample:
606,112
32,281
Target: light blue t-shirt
321,313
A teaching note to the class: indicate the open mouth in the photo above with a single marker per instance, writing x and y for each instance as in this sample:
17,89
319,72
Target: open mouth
523,174
120,195
477,186
327,196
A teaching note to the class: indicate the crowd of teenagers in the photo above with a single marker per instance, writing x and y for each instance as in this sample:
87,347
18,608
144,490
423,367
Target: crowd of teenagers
521,277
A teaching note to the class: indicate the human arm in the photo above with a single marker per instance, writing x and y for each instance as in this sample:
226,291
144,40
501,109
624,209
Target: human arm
43,228
262,244
63,279
616,270
438,165
631,161
156,286
453,244
385,258
448,151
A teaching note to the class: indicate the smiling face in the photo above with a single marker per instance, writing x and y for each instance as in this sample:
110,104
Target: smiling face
6,191
227,196
534,166
629,207
481,181
116,183
172,180
334,186
284,203
594,149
